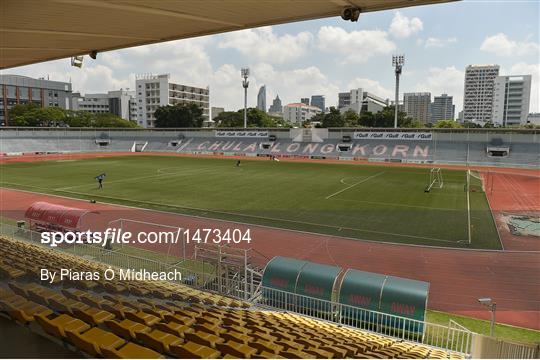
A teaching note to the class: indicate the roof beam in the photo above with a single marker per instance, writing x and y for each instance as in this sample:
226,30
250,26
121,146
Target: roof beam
146,10
75,33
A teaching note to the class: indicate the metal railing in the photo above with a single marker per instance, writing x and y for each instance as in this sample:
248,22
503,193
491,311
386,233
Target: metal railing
440,336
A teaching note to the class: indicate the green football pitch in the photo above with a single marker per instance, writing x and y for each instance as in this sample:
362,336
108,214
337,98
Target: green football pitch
356,201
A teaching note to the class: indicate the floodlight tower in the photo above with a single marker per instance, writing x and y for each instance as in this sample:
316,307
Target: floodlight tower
245,84
397,62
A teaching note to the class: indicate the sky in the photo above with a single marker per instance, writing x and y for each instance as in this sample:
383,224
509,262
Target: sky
328,56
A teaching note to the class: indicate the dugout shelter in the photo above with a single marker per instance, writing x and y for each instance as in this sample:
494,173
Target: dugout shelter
45,216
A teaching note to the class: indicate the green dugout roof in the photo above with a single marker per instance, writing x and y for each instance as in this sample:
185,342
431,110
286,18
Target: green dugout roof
317,280
362,289
282,273
405,297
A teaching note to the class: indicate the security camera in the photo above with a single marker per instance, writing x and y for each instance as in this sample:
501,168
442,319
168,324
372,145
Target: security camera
93,54
350,13
485,301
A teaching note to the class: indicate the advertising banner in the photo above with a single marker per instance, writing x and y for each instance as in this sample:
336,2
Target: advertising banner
394,135
241,134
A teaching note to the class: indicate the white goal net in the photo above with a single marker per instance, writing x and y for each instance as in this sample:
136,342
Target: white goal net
435,179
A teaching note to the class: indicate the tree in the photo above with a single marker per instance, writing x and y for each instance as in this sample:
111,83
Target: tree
179,116
110,120
471,125
449,124
333,119
255,118
351,118
34,115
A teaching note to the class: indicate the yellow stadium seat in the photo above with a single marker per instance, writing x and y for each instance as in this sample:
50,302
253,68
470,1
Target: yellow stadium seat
159,340
131,351
174,328
185,320
236,349
126,328
143,318
203,338
58,325
191,350
93,340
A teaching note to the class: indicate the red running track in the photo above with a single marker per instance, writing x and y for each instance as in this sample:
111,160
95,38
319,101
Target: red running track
457,277
516,193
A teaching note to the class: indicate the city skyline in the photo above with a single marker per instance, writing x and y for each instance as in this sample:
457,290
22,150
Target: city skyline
314,57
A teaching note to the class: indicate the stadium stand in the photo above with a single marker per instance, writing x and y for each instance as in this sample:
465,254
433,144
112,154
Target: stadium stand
162,319
448,146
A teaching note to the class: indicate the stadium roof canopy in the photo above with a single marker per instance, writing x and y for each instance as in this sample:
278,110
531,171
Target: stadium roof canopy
32,31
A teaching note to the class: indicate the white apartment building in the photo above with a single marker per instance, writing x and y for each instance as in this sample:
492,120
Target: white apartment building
478,92
153,91
417,106
511,98
296,113
118,102
360,101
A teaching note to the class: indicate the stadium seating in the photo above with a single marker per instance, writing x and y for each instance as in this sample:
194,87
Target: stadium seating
447,147
145,325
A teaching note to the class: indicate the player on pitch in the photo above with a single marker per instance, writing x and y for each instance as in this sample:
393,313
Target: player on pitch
99,179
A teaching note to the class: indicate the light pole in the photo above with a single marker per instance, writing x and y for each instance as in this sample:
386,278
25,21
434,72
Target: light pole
397,62
245,84
491,306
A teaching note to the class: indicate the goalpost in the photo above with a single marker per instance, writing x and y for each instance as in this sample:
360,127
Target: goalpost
473,183
435,179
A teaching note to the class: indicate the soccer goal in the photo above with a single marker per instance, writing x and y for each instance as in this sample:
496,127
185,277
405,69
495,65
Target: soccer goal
435,179
475,182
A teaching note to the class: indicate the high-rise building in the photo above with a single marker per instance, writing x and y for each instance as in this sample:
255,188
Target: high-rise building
442,108
276,107
261,98
153,91
344,99
304,101
17,89
478,92
118,102
216,111
511,98
360,101
318,101
417,106
297,113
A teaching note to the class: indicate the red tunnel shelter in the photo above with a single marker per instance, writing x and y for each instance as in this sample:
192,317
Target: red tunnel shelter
44,216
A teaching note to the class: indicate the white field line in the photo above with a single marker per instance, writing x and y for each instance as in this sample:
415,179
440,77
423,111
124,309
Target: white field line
402,205
469,235
353,185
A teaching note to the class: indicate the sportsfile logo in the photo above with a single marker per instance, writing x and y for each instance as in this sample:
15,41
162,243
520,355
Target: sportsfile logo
109,237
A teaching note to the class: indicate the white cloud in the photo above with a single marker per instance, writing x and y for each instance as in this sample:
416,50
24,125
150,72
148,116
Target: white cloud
293,84
403,27
264,45
501,45
433,42
447,80
522,68
371,86
354,46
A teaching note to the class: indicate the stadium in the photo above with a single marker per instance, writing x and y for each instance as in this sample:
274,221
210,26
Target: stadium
260,242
